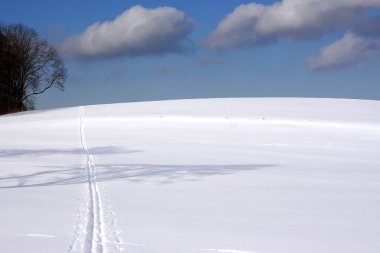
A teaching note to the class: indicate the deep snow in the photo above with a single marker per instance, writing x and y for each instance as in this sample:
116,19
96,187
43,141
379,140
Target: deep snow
184,176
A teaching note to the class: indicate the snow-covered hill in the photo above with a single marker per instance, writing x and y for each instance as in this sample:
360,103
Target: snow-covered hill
190,176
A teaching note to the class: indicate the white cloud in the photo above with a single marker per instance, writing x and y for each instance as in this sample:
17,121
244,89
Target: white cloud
137,31
237,29
253,24
346,52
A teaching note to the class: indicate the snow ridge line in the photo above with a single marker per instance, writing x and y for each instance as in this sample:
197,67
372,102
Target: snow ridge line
94,242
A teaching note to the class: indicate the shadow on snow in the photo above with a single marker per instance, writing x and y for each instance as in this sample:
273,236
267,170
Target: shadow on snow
131,172
106,150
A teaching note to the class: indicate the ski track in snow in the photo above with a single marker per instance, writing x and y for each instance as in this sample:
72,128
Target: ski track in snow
95,230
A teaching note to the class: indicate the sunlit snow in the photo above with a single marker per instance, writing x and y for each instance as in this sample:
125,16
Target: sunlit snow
185,176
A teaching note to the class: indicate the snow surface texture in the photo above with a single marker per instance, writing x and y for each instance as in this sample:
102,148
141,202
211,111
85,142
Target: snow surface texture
209,175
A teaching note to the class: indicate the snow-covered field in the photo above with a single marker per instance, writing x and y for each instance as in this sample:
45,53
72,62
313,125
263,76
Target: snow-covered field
193,176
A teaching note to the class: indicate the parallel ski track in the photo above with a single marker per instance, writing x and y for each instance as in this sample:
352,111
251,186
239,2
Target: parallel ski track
95,238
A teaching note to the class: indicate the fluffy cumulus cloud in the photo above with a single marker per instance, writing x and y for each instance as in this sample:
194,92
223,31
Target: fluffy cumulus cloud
138,31
238,28
255,24
348,51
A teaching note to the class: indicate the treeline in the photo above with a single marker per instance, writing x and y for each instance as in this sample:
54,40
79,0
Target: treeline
28,67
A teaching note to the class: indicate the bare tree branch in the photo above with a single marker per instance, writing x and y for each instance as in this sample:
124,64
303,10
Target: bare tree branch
28,66
39,92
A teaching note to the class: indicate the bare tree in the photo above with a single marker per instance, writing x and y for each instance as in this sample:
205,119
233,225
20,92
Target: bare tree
28,67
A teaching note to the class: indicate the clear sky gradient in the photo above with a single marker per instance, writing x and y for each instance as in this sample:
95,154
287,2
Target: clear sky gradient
267,49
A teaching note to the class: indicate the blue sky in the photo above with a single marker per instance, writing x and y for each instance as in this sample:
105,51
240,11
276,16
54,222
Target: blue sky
261,49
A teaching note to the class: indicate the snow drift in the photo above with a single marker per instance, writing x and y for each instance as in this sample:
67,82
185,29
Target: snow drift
209,175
